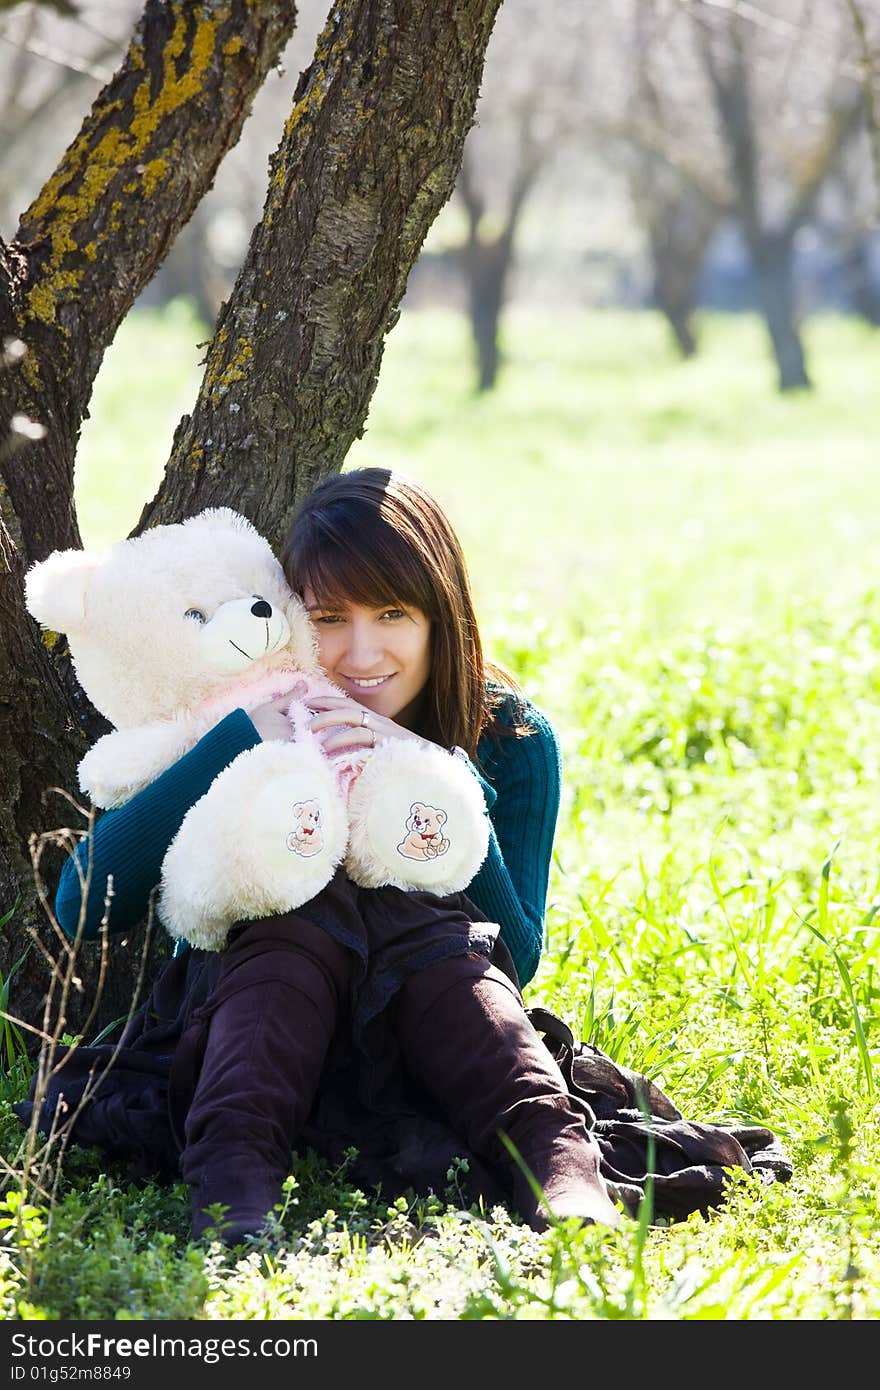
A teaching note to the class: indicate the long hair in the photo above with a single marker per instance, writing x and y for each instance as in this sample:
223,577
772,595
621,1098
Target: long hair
374,537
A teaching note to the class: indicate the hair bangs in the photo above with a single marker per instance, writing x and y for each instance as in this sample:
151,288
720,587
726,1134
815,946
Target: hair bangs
361,560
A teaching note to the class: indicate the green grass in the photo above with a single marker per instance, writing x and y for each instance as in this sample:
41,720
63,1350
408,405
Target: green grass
678,563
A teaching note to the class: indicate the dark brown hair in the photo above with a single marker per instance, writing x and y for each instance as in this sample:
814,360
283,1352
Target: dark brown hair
375,537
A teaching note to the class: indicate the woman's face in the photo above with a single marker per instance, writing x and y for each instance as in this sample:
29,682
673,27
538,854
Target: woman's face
381,657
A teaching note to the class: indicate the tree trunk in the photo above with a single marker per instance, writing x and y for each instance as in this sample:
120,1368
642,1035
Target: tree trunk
35,746
369,155
775,289
679,320
39,750
487,261
681,224
862,286
676,278
730,71
487,264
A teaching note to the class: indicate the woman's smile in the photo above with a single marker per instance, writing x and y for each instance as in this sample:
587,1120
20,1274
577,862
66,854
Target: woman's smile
364,684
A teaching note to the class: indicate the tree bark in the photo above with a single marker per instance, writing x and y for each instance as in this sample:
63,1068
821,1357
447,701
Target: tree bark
39,752
369,155
36,742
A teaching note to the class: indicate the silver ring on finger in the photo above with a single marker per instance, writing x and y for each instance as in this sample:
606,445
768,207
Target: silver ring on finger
364,719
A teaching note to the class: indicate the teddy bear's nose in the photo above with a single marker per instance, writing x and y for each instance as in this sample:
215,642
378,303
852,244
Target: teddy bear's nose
261,609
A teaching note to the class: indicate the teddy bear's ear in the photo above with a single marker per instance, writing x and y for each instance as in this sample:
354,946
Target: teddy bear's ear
55,589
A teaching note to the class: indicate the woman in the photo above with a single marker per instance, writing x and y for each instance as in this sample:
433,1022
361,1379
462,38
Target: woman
377,1019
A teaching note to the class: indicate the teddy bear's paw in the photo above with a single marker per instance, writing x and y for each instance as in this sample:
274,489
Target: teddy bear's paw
266,837
416,820
125,761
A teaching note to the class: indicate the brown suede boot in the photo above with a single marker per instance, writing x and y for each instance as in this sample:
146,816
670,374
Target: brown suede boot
255,1055
465,1037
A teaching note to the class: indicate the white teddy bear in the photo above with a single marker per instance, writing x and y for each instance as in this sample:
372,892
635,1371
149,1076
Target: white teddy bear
172,630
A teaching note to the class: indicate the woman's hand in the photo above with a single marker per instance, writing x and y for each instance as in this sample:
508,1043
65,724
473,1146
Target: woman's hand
271,721
332,710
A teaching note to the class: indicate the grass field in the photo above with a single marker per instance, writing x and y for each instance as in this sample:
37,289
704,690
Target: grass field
679,565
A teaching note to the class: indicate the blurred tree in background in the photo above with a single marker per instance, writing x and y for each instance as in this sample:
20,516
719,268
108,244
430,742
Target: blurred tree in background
737,118
710,153
606,164
529,113
765,84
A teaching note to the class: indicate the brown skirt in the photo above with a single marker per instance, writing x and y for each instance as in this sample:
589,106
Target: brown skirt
367,1104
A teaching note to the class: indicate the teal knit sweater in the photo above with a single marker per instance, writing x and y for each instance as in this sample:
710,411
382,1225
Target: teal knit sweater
520,778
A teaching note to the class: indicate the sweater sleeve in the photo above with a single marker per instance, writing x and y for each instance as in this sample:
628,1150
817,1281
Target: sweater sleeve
129,844
511,884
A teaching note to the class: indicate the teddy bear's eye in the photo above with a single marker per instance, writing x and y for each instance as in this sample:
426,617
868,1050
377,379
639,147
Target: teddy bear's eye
196,614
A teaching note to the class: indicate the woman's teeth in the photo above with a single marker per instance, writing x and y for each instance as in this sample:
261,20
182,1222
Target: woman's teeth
367,685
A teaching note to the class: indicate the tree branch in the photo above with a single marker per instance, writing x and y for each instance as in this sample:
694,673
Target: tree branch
676,155
843,120
532,153
62,7
474,202
731,89
868,78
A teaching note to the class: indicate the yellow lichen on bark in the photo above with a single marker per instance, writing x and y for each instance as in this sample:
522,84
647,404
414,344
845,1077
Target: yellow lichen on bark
218,378
149,176
98,165
30,370
326,62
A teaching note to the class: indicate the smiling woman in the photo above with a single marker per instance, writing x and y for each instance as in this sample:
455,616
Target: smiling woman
370,1018
382,572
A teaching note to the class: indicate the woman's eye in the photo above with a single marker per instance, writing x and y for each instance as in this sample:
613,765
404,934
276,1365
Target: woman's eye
325,619
196,614
394,614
